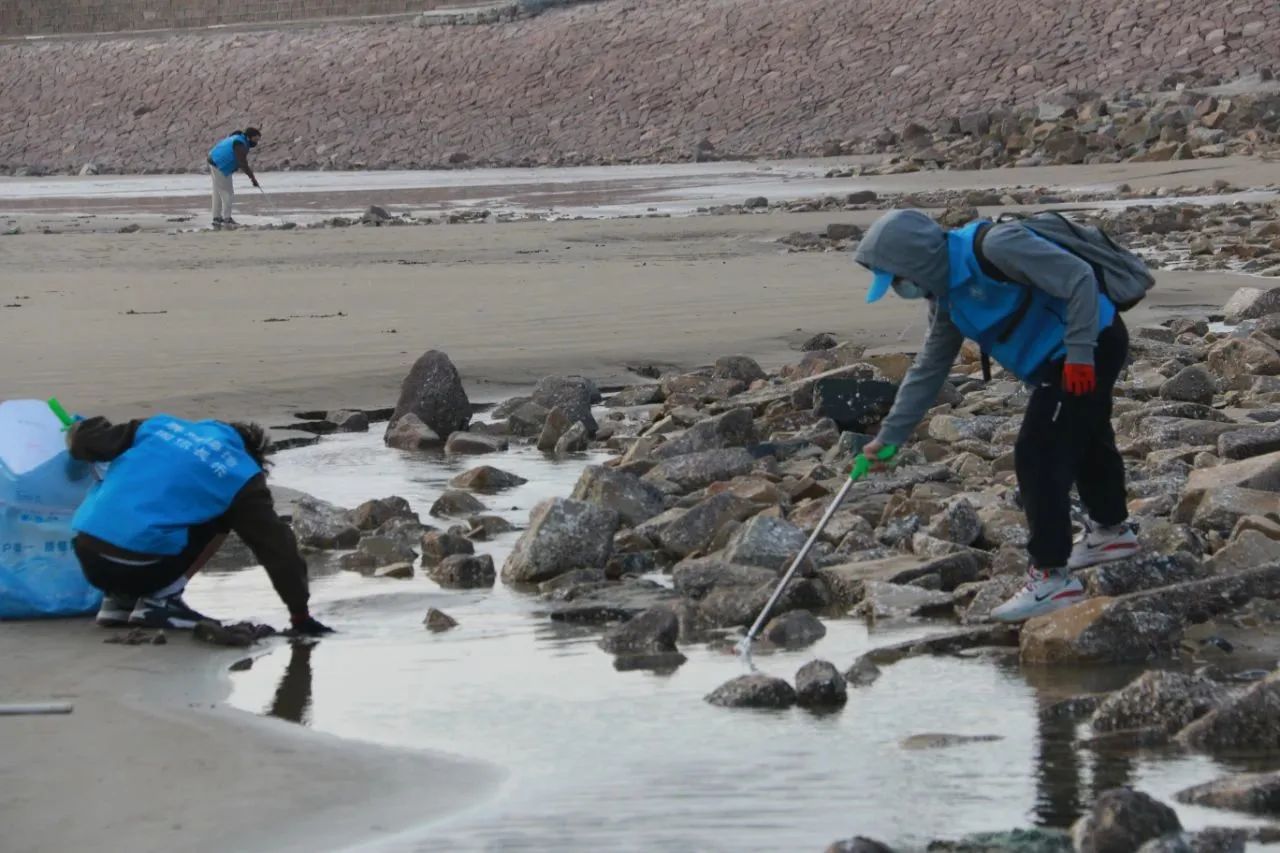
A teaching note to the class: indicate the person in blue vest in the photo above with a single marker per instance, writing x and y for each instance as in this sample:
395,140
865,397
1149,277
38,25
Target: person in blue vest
225,159
1046,322
173,491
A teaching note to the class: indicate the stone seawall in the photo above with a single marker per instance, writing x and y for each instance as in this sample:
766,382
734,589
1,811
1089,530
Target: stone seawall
609,82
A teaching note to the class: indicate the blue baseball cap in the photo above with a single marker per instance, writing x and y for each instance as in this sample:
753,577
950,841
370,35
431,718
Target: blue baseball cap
881,281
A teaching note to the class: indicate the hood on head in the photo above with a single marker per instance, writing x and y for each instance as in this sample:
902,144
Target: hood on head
910,245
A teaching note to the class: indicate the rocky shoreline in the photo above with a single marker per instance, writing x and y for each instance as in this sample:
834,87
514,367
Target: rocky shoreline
718,476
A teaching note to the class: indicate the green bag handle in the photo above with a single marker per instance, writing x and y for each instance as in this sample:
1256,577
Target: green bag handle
862,465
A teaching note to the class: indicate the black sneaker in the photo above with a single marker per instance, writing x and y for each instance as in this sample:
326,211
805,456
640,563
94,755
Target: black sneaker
115,610
228,222
168,612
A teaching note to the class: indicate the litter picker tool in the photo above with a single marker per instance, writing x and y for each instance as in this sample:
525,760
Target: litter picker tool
861,467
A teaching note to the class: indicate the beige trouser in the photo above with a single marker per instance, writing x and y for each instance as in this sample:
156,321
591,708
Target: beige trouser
223,194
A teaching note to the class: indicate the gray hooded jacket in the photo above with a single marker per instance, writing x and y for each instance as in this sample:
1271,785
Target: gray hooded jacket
912,246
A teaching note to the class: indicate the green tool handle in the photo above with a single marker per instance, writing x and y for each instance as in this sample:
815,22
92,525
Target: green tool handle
62,413
862,465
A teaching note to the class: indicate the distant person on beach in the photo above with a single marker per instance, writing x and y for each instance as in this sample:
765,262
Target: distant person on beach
225,159
1038,310
172,493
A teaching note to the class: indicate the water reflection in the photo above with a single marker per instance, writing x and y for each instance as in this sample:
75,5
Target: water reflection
292,700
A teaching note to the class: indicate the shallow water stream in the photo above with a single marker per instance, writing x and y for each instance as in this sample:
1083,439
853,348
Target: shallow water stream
605,760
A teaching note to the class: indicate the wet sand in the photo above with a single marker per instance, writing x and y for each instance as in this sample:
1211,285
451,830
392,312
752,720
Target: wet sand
150,760
265,323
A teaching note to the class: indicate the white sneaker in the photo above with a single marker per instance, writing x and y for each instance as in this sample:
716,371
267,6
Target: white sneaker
1104,545
115,610
1044,592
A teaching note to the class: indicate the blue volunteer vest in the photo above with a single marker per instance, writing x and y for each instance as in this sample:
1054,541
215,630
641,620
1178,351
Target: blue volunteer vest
223,154
983,307
176,475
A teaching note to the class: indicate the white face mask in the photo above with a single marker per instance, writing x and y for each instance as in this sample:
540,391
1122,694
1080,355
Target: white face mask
907,289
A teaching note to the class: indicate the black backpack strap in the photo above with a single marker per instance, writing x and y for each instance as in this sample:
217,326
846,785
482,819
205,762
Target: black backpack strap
993,271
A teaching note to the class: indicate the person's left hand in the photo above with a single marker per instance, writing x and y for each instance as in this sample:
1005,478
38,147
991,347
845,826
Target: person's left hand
1079,379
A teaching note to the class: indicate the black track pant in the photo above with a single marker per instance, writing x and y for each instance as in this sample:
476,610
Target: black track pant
1068,440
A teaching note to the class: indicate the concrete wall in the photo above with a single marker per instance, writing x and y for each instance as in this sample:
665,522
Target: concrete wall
615,81
45,17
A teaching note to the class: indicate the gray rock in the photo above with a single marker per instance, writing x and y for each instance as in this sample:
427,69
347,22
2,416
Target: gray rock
958,522
756,202
734,428
858,844
599,604
439,544
1099,631
1249,442
1250,721
695,578
634,500
954,428
1211,840
455,503
562,535
863,673
886,600
819,685
349,421
739,367
1248,303
371,515
938,740
574,440
1121,820
696,470
439,621
527,419
1015,841
730,606
397,571
819,342
652,632
408,432
433,392
464,571
322,525
554,426
1248,550
375,552
1256,793
766,541
1235,360
462,443
697,529
753,691
1167,700
794,630
1146,571
635,395
1193,384
486,478
573,395
1220,509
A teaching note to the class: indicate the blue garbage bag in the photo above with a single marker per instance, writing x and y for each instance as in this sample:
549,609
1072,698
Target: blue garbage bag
40,488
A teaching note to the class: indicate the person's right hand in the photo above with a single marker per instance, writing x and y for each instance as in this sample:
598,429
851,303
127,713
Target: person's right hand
309,626
254,181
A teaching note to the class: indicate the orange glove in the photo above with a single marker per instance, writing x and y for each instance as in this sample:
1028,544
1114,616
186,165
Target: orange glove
1079,379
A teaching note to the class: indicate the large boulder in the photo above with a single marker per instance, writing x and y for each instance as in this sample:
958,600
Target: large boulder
1257,793
1121,821
794,630
1220,509
322,525
1249,303
1249,442
1251,548
464,443
375,552
819,685
753,691
1158,699
455,503
697,470
1260,473
856,405
698,528
765,541
695,578
1237,359
464,571
1097,631
486,478
652,632
1249,721
732,605
433,392
563,535
408,432
958,523
739,367
735,428
634,500
371,515
573,395
439,544
1192,384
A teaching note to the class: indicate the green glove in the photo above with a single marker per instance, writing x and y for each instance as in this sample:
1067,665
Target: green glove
862,465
